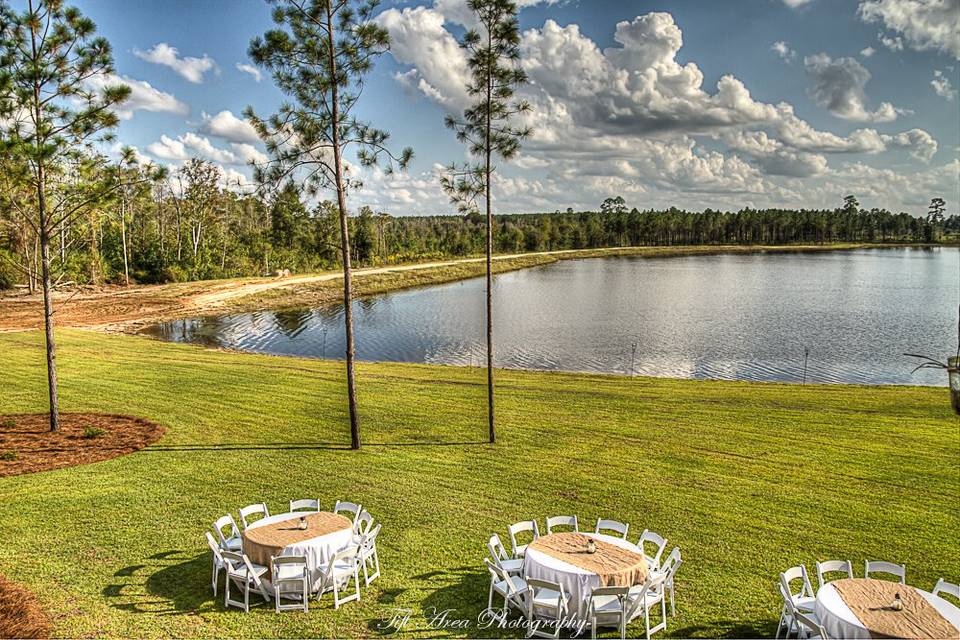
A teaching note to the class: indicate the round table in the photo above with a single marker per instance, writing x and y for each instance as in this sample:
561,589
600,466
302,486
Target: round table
839,621
279,535
577,582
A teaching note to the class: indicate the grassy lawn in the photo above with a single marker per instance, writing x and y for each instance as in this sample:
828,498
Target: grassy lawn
746,478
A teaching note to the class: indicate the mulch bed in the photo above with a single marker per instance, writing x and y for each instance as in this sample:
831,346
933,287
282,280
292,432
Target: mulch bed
28,446
20,613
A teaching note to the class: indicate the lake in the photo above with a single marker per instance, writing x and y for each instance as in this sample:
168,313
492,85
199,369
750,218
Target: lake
742,317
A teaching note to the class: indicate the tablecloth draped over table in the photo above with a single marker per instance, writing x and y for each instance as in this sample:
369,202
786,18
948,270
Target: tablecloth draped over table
871,601
614,565
262,542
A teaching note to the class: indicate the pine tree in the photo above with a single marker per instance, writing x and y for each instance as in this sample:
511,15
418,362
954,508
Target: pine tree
51,112
485,127
318,56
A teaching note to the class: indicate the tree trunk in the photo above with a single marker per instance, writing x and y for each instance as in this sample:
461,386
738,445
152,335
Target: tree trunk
48,302
123,239
344,236
487,172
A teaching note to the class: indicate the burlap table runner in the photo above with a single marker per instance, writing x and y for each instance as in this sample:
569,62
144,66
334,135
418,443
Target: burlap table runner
871,601
262,543
616,566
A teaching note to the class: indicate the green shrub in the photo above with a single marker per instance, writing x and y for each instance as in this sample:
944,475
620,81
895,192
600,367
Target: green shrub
8,275
9,456
93,432
8,423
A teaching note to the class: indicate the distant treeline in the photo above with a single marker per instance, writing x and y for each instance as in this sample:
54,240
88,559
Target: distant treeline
204,231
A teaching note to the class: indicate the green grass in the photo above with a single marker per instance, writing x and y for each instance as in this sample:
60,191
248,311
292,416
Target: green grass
746,478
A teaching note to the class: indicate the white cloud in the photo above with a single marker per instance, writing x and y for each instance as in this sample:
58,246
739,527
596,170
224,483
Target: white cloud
229,127
190,145
168,149
457,11
793,4
192,69
924,24
783,50
894,43
250,69
942,86
248,153
839,86
143,96
868,52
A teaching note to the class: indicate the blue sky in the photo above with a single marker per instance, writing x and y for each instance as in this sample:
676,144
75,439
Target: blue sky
766,103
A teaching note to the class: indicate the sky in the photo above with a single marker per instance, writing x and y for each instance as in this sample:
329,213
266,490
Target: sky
694,104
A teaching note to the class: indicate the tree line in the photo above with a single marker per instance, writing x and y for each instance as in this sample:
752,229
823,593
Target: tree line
188,226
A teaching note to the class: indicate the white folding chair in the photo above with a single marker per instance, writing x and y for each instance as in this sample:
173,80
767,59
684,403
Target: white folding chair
512,589
546,606
833,566
643,598
669,570
244,575
606,608
251,510
659,543
522,527
499,554
362,525
232,541
369,559
949,588
218,563
348,507
615,526
307,504
879,566
802,600
343,566
806,622
562,521
290,577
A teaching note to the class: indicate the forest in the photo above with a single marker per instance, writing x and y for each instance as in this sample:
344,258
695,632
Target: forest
154,227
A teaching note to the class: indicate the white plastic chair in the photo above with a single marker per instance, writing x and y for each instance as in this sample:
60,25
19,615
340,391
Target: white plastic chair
833,566
308,504
806,622
252,510
348,507
641,600
606,608
879,566
343,566
512,589
499,554
562,521
522,527
218,563
619,528
949,588
659,543
232,541
546,601
802,600
669,570
362,525
244,575
369,559
290,577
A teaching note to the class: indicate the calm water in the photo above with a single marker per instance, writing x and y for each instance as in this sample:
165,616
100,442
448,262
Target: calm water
746,317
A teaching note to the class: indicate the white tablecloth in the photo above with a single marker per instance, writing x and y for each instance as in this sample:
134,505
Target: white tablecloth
840,622
577,582
318,551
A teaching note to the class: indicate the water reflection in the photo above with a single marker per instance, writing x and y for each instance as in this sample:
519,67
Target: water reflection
731,317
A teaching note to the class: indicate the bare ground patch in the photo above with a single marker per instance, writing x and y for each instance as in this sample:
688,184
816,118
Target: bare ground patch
27,444
20,613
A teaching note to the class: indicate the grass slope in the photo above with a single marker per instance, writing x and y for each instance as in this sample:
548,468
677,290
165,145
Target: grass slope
746,478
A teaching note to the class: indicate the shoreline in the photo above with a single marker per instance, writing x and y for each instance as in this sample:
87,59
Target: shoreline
129,309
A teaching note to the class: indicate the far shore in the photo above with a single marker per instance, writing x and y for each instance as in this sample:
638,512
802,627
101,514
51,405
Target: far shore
127,309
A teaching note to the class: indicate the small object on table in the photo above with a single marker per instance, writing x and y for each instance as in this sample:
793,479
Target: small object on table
897,602
303,523
591,546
